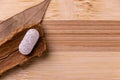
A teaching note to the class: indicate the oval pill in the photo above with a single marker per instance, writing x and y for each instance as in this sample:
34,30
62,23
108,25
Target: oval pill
29,41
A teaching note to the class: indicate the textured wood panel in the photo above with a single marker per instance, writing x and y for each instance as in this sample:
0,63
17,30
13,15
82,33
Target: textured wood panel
69,66
83,35
84,10
78,49
66,9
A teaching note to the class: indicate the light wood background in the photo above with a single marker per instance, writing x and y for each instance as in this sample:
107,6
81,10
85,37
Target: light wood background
66,9
66,59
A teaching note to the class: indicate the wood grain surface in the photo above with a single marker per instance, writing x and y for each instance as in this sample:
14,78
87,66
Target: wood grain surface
78,35
78,48
66,9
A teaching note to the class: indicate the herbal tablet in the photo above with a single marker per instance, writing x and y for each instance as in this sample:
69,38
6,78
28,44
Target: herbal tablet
30,39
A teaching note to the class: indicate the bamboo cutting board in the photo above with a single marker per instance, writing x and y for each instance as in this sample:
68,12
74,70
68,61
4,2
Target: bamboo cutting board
83,40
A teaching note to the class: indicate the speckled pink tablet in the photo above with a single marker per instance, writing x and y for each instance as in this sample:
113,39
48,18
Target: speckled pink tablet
29,41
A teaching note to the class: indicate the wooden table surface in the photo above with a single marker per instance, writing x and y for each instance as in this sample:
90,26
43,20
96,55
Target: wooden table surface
68,58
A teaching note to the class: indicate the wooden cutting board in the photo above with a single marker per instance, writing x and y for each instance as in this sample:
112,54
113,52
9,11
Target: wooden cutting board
83,40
